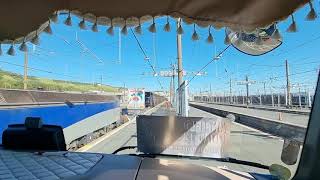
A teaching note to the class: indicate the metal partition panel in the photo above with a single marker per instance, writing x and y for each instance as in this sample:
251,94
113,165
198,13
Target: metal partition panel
180,135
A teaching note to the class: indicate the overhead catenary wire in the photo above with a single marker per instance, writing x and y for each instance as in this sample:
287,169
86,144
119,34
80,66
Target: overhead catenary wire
298,46
154,50
139,44
146,57
297,65
213,59
293,65
36,69
277,78
293,74
86,49
286,52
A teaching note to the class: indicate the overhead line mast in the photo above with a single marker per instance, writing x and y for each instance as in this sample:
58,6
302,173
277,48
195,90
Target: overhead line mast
179,55
288,84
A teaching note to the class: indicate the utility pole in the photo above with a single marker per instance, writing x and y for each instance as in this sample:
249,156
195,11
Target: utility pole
171,91
288,84
25,74
180,69
272,98
286,96
299,95
247,83
236,98
230,91
172,86
309,99
179,53
298,85
260,99
247,89
242,96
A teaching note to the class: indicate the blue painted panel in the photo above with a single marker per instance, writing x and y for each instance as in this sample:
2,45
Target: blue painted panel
62,115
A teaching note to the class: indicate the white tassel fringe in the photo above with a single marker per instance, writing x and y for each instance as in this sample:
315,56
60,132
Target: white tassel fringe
11,51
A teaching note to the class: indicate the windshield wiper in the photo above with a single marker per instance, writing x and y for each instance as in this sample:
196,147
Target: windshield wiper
123,148
227,159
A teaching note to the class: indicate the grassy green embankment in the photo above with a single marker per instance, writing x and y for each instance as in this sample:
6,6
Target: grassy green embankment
15,81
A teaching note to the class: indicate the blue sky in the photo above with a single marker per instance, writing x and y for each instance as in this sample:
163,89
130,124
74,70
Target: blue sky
59,53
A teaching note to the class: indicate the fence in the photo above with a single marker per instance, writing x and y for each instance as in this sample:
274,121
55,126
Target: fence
300,100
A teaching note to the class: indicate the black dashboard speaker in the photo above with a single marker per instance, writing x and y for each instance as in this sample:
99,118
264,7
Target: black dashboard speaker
34,135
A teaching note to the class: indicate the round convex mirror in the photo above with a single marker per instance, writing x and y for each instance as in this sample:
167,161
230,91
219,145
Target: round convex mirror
256,43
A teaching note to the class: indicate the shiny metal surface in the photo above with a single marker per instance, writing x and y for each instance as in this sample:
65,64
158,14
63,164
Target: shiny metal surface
191,136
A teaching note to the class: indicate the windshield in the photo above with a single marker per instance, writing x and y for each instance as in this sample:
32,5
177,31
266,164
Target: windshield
97,85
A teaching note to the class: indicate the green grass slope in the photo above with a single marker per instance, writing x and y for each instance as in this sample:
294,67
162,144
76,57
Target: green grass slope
15,81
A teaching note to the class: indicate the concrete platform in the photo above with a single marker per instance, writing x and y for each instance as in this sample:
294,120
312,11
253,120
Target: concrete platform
298,119
245,144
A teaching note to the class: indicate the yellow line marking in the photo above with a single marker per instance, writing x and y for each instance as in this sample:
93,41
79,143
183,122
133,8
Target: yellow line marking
112,132
104,137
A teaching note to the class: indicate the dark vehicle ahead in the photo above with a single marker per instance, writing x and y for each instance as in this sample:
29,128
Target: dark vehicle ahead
149,99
